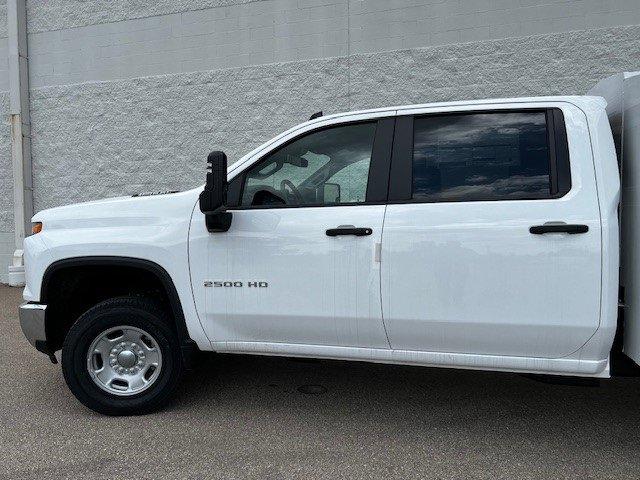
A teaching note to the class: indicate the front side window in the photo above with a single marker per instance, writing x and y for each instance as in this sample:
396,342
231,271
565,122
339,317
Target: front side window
481,156
325,167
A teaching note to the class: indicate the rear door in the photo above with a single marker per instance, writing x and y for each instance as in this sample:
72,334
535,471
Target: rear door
491,241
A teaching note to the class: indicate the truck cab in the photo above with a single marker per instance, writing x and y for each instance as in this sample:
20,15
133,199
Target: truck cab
480,234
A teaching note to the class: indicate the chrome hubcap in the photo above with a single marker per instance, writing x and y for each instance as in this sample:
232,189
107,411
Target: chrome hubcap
124,360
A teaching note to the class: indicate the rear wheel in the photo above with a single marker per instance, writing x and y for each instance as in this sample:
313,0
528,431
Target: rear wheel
122,357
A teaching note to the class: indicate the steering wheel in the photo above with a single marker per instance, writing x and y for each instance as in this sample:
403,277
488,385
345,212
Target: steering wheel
294,190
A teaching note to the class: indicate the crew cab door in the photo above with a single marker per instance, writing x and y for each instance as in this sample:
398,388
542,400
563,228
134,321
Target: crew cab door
298,265
491,241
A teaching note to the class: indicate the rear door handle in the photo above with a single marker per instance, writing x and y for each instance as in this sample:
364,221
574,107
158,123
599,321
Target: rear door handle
558,228
348,230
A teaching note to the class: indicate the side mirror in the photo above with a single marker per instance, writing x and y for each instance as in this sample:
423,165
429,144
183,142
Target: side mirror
213,199
214,196
331,193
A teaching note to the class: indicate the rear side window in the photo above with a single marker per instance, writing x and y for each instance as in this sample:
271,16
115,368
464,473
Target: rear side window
484,156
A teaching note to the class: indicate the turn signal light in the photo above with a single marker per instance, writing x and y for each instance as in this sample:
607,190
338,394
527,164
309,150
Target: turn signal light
36,228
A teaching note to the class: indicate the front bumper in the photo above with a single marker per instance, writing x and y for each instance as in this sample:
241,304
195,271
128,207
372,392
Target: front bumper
33,323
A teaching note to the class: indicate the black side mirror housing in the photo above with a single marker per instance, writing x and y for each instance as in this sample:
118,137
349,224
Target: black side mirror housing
214,196
213,199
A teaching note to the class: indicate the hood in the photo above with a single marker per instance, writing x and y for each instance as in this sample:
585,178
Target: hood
120,211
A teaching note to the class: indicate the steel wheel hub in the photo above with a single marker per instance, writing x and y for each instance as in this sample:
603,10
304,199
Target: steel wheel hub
124,360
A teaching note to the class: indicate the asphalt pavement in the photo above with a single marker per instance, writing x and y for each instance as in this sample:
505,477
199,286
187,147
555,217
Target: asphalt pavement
262,418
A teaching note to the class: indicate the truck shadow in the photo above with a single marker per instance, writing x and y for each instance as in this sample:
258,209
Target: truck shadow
413,401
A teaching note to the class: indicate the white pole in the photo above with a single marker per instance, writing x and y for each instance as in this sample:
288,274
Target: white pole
20,132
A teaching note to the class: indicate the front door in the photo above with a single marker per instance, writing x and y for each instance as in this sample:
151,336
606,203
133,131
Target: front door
491,243
299,265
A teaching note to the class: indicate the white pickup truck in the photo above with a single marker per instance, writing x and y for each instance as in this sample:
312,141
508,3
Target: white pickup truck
479,235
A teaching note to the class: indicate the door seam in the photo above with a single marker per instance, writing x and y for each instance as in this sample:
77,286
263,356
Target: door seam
384,325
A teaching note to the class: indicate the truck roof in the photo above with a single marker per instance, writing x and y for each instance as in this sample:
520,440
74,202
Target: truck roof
578,100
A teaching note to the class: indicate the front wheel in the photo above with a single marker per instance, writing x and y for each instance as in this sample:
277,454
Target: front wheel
122,357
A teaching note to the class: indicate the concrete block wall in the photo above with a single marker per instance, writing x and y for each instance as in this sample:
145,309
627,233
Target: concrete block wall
131,96
244,33
159,135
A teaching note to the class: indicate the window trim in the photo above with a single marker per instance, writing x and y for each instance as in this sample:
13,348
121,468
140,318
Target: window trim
377,180
401,173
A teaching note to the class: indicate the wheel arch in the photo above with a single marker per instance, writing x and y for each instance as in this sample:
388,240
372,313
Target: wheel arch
142,265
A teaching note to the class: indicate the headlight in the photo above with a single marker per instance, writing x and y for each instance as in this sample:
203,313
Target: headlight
36,228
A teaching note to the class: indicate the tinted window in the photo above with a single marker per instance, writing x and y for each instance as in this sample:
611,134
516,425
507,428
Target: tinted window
329,166
481,156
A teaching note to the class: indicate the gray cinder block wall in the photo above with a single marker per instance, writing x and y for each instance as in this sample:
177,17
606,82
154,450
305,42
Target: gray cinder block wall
130,96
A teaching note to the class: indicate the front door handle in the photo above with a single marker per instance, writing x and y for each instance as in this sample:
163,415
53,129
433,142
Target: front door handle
558,228
348,230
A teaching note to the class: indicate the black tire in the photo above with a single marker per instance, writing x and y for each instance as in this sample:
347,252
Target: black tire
137,312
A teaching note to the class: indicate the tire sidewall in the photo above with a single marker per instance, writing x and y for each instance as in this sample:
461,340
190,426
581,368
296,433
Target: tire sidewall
74,360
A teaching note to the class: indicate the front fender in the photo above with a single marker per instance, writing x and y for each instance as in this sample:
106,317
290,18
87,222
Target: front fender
161,244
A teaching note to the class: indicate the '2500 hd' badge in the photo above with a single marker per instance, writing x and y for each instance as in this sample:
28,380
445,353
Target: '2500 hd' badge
237,284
